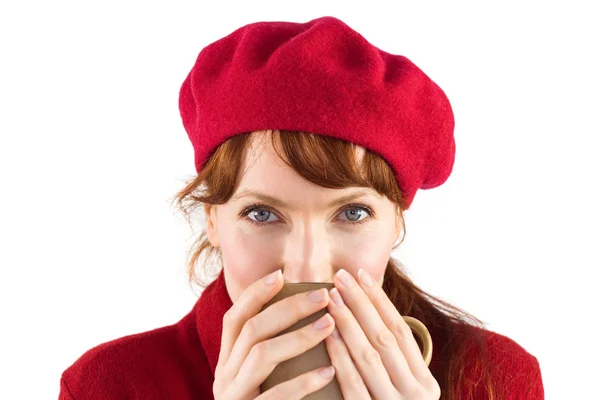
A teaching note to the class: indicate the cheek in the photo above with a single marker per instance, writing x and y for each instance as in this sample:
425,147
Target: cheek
368,250
247,257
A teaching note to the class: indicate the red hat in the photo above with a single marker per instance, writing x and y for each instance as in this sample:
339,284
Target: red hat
325,78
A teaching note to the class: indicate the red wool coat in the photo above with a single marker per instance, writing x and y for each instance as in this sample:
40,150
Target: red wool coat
178,361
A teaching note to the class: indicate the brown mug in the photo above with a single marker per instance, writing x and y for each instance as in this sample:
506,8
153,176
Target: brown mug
317,356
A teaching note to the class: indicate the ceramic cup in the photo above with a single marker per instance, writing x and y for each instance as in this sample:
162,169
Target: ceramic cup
317,356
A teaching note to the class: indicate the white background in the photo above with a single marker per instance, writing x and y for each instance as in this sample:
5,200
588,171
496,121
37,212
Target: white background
92,150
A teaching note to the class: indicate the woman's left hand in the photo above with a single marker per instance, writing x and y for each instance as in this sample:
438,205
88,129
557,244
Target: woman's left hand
377,356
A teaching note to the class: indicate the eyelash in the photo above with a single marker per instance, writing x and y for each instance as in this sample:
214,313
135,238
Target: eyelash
259,206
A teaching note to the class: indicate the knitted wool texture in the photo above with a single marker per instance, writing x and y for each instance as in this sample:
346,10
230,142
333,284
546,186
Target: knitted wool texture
325,78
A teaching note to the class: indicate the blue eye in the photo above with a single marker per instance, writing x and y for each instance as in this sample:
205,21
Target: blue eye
263,214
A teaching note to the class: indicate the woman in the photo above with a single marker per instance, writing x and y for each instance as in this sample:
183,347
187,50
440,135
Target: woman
309,143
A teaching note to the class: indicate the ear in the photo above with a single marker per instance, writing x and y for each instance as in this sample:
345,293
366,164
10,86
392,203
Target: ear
398,222
210,211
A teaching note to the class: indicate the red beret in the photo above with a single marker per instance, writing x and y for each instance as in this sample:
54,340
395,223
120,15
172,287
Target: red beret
325,78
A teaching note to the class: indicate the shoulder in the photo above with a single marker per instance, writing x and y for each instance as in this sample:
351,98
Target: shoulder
512,367
149,365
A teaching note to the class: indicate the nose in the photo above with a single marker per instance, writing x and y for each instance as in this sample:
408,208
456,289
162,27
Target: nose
307,256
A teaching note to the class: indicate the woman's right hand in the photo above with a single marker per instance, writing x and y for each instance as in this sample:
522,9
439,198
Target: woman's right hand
249,351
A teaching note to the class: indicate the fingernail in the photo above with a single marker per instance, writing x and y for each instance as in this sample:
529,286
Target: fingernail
326,372
317,296
323,322
272,277
365,278
335,296
346,278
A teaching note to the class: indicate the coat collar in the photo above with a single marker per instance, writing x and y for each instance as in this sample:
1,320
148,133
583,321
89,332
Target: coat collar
210,309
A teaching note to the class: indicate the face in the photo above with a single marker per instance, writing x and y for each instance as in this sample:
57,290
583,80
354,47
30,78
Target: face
305,234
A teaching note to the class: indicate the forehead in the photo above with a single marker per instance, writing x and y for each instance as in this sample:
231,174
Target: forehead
263,170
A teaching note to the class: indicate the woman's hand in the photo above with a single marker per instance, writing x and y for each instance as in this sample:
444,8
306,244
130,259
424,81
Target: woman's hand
377,356
249,351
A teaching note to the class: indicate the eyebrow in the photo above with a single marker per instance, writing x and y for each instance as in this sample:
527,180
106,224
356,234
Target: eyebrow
279,203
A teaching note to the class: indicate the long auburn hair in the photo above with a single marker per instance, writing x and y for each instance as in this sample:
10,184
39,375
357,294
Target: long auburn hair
332,163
